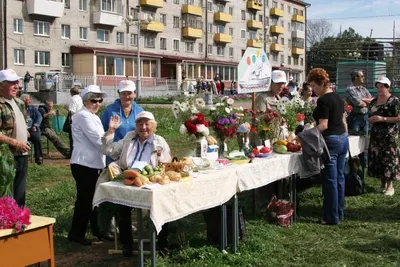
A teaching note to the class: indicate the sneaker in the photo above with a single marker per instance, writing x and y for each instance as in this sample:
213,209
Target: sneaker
389,192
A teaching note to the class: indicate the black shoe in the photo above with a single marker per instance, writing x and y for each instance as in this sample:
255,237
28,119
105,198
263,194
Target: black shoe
39,161
107,237
127,250
82,241
164,252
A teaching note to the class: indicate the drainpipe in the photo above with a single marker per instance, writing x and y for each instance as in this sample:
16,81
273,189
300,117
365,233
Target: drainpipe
5,32
305,38
206,41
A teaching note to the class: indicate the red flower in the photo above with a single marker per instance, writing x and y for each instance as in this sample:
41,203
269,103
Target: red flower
218,126
228,131
200,119
300,117
191,127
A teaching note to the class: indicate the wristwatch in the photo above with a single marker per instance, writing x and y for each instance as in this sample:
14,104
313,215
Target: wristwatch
384,118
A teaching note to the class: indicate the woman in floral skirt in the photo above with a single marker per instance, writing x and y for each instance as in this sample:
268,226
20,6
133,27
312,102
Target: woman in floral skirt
384,152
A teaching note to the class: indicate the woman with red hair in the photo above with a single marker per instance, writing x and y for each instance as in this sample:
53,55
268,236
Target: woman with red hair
331,122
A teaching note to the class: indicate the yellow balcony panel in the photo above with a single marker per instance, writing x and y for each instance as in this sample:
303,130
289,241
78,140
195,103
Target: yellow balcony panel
152,3
254,43
254,5
153,26
223,38
276,12
222,17
298,18
276,48
297,51
192,32
193,10
253,24
277,29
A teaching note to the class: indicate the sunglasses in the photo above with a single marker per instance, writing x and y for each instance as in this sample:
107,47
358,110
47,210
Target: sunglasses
94,101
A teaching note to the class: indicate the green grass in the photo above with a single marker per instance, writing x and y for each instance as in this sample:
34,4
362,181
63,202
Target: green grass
369,235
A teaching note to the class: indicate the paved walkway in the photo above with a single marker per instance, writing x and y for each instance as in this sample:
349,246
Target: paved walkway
243,104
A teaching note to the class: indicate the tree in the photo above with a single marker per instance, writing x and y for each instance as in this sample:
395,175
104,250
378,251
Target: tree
317,30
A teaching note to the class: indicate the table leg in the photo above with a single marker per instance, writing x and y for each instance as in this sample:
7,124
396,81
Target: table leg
295,196
235,223
254,202
140,237
153,250
223,227
51,261
291,193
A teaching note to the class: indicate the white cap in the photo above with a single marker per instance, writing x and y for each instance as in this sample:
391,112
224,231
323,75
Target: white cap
9,75
145,115
92,89
278,76
383,80
126,85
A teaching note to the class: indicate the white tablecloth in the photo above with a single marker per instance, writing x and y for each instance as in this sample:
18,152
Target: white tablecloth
175,200
358,144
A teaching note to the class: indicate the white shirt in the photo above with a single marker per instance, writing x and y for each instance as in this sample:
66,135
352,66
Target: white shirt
87,131
75,104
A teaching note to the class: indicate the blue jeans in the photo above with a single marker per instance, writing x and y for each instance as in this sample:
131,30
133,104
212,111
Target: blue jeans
333,184
358,124
26,87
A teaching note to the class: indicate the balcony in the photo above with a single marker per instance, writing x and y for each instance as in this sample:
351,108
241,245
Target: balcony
277,29
153,26
298,34
192,32
253,24
276,12
297,51
53,9
223,38
276,48
222,17
152,3
254,43
107,18
298,18
254,5
193,10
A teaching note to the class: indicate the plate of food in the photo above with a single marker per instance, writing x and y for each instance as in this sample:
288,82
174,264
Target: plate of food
263,155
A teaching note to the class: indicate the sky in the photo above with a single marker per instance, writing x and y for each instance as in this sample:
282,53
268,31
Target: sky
380,15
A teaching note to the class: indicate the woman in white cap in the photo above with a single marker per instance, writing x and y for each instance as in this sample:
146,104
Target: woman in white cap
87,161
383,152
267,100
141,145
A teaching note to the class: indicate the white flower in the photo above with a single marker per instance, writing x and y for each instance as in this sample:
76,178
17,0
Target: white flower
295,94
285,100
228,110
201,128
200,103
212,108
224,98
241,108
273,102
219,104
193,109
176,103
184,106
283,111
183,129
230,101
175,111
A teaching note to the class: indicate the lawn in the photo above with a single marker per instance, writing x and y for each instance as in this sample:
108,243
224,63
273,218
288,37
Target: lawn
369,236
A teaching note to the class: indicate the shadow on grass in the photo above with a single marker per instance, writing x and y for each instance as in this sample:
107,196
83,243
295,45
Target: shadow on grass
385,245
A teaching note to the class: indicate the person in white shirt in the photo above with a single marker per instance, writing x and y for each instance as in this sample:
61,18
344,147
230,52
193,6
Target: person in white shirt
75,104
87,161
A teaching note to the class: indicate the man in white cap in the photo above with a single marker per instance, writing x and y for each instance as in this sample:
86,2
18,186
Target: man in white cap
266,100
14,129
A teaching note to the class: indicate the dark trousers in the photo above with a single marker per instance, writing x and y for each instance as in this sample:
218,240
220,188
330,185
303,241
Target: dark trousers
85,179
21,171
71,143
125,229
37,144
57,142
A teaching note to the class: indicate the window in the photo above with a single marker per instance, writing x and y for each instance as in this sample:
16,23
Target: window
282,23
283,59
163,19
282,6
289,60
220,8
134,39
243,34
200,48
274,57
289,9
82,5
19,57
220,50
283,41
189,2
260,18
266,2
163,43
67,4
230,51
274,4
209,27
220,29
301,61
41,28
252,16
135,13
18,26
111,6
231,31
100,61
176,22
243,15
42,58
266,21
150,41
209,6
110,67
289,26
120,38
189,47
230,10
65,31
176,2
209,49
274,21
289,41
295,61
65,59
103,36
295,11
252,35
119,66
83,33
176,45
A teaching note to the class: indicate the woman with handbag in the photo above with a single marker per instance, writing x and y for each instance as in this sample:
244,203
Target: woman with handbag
383,152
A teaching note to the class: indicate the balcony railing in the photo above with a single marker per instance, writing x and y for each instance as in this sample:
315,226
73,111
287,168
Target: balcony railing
277,29
276,48
192,32
222,17
152,3
298,18
110,15
53,9
153,26
276,12
254,43
254,5
253,24
193,10
223,38
297,51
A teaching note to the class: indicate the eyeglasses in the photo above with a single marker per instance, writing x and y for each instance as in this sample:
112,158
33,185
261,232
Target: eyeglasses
94,101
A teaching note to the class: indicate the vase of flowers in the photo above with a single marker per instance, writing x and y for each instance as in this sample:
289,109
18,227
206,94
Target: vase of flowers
13,216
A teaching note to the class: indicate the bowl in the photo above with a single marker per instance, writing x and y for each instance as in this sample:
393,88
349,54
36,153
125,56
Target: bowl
263,155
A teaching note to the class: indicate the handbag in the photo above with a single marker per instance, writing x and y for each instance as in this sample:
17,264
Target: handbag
67,123
354,185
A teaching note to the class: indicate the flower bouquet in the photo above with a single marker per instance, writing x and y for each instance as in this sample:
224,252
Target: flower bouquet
12,216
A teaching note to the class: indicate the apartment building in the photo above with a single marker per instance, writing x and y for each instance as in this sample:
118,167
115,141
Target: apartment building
178,39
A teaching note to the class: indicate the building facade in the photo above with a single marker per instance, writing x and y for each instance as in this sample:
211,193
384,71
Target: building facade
178,39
